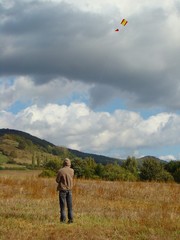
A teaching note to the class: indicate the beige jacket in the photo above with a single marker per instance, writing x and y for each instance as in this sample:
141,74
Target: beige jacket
65,177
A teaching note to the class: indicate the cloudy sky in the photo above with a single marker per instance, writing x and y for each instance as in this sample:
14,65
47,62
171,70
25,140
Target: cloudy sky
66,76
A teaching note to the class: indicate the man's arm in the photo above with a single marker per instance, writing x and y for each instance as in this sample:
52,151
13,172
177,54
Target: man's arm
58,177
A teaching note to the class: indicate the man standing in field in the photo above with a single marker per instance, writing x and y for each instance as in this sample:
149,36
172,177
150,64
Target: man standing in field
65,183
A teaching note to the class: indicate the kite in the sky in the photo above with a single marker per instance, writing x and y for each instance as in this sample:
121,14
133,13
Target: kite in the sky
123,22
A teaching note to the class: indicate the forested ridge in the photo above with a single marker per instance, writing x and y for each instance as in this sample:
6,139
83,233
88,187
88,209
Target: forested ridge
20,150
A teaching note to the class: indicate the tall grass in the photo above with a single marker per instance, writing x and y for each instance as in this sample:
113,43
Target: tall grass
29,209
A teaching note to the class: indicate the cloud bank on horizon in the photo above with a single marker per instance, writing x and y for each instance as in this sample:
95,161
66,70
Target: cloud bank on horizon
68,77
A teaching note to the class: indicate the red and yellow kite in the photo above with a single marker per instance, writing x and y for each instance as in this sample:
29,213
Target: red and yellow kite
123,22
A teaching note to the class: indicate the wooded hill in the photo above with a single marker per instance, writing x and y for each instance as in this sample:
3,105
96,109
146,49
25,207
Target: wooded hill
20,150
21,147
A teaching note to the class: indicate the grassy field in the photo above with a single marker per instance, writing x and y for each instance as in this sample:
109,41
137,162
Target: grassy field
29,209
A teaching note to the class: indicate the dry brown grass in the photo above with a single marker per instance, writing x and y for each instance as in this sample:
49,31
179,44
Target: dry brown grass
103,210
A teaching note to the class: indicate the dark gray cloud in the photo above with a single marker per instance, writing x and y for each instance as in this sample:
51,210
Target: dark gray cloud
48,40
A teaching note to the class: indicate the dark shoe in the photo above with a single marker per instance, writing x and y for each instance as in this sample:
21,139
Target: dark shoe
64,221
70,221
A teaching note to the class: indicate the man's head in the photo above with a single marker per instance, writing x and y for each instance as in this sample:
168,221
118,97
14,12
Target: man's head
67,162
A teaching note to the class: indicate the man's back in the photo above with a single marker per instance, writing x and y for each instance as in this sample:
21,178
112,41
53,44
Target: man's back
65,178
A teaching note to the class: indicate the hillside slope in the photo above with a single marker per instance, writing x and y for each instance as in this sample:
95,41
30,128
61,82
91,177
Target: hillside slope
22,147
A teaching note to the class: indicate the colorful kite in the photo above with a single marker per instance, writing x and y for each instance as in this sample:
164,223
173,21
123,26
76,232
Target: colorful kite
123,22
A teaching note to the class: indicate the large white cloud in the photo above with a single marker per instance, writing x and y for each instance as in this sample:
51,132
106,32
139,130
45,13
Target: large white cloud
77,126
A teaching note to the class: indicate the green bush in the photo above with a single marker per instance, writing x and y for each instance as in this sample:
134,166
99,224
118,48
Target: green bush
1,167
53,164
131,165
113,172
177,175
153,170
3,158
79,167
173,167
47,173
164,176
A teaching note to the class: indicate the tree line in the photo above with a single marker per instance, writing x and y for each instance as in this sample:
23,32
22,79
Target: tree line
130,170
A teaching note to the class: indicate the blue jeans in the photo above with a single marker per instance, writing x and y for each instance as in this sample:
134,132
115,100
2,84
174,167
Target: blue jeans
65,198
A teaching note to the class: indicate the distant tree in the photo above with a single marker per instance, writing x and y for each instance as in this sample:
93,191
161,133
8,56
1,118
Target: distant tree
176,175
47,173
131,165
89,167
5,152
164,176
149,170
29,143
38,159
112,172
153,170
115,172
173,167
33,160
79,167
13,154
100,170
53,164
56,151
22,145
90,162
89,173
7,136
